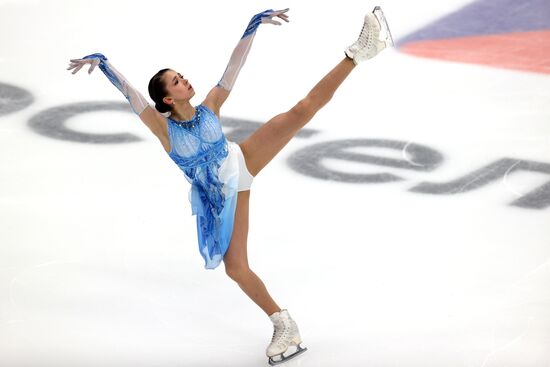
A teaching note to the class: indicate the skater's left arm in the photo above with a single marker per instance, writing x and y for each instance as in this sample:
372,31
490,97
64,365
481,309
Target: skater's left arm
217,96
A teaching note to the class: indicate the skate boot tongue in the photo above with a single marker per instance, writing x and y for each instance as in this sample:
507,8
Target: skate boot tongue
275,317
279,317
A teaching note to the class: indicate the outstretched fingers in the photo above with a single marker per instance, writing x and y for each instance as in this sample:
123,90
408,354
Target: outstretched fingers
76,67
281,13
77,64
277,13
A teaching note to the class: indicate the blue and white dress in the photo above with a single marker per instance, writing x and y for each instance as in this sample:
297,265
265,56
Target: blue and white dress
200,149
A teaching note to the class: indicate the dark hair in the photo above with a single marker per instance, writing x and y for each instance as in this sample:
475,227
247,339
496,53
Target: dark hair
157,91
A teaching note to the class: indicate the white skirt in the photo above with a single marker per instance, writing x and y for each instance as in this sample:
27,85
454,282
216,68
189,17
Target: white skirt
234,164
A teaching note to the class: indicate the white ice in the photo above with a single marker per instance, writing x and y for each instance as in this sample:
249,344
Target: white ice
99,264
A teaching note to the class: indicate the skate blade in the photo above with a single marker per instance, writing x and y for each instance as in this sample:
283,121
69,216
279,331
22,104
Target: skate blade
275,362
379,14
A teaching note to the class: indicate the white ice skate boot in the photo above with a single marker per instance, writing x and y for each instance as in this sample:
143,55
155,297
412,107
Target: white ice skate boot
285,334
369,43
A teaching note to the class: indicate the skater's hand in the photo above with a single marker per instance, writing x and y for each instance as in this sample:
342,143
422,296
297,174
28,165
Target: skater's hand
77,64
93,60
265,17
268,15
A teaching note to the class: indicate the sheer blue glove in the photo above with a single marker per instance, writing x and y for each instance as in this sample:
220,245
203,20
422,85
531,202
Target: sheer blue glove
137,101
238,57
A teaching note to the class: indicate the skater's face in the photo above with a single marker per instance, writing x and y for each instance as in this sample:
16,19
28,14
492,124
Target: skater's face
178,88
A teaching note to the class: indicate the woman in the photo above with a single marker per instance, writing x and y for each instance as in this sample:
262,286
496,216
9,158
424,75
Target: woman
221,172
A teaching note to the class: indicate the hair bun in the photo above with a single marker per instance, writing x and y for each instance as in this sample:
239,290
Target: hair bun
162,107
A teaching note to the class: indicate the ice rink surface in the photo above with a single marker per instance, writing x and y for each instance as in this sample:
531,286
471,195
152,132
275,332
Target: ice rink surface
408,225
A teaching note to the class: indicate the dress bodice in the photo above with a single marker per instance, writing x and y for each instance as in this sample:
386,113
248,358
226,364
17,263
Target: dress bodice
196,142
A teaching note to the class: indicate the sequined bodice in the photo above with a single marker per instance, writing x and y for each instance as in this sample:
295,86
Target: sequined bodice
196,142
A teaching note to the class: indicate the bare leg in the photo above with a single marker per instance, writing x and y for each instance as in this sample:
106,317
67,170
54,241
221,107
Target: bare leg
236,259
268,140
258,150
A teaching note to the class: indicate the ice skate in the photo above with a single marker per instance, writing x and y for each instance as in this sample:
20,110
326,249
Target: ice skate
370,42
285,335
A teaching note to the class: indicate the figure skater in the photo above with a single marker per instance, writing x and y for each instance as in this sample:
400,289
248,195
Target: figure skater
221,172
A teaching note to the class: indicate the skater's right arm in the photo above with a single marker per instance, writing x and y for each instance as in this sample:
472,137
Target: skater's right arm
150,116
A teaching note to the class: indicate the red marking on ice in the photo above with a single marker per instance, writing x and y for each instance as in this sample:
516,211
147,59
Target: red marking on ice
528,51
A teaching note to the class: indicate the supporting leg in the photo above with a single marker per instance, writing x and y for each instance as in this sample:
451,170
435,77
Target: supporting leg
236,259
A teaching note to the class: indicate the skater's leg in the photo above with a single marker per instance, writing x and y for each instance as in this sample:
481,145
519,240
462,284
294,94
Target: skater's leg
236,259
260,148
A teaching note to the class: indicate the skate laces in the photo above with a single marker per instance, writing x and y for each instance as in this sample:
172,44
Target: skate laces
369,30
277,332
280,332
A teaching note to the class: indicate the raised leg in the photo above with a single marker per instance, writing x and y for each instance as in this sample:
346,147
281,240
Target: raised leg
236,259
268,140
